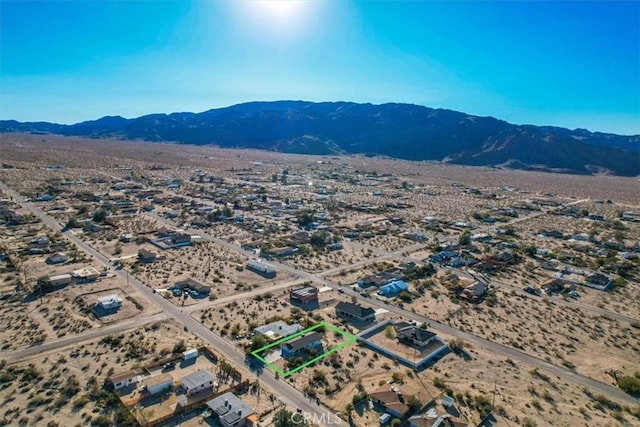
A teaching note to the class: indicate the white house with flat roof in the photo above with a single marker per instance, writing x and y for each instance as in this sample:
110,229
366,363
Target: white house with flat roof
278,329
230,411
158,383
109,302
124,379
197,381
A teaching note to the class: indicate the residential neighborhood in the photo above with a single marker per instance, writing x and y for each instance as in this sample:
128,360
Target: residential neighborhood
236,288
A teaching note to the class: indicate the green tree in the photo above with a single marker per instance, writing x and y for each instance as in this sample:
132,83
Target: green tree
405,296
179,347
630,385
414,404
456,345
72,223
305,218
349,410
319,238
389,331
465,237
227,212
100,215
284,418
44,281
101,421
477,215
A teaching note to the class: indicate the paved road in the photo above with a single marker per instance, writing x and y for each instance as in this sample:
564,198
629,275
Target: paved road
293,395
285,392
55,344
597,311
512,353
242,296
570,303
37,350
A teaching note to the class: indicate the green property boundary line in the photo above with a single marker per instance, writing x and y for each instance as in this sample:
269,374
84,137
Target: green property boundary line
350,340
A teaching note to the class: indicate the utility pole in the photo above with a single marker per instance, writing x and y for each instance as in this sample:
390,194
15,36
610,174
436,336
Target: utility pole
495,386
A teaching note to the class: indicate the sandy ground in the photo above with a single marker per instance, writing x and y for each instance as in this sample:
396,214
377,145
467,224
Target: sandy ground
351,191
65,384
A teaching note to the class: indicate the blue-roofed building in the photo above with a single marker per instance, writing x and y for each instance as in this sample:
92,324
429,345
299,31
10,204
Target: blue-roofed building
392,289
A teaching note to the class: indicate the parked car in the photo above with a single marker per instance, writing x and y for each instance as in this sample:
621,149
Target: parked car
531,290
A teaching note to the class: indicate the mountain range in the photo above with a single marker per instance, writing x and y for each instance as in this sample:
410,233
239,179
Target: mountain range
402,131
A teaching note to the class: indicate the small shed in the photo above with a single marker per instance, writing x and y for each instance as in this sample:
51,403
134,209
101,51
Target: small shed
158,383
60,280
124,379
384,419
190,354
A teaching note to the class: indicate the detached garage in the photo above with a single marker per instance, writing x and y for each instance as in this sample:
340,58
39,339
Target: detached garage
158,383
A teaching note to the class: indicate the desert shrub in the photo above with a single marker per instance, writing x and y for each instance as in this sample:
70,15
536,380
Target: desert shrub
179,347
71,388
6,377
482,404
603,400
30,374
80,402
630,384
439,382
101,421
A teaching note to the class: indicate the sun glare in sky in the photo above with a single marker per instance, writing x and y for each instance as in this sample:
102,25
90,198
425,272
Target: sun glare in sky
277,17
76,60
281,9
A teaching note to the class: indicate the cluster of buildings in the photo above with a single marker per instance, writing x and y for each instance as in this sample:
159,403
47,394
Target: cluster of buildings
568,281
470,289
225,407
261,268
84,275
170,239
389,284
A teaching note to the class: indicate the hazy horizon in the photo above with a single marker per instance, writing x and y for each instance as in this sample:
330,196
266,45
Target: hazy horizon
295,100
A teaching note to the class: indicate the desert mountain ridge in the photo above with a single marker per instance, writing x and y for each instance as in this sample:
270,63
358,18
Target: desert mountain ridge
403,131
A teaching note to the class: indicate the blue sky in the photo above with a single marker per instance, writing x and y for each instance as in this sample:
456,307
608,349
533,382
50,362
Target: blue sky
571,64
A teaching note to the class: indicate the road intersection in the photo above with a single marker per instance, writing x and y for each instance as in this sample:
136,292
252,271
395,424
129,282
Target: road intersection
289,395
